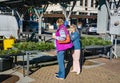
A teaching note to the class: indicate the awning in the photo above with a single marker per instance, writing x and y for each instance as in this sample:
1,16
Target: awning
32,2
3,0
16,4
72,16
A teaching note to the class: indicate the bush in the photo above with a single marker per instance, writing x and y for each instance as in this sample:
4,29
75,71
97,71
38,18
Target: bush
27,46
44,46
41,46
93,41
9,52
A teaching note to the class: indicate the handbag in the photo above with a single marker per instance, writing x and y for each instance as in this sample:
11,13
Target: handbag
67,40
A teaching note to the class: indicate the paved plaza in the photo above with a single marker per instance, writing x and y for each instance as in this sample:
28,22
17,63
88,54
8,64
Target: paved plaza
109,72
104,71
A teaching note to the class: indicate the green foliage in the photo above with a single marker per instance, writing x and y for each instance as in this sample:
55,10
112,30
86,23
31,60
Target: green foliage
28,46
9,52
93,41
41,46
45,46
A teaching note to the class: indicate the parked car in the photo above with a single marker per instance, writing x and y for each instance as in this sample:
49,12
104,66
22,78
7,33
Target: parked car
90,28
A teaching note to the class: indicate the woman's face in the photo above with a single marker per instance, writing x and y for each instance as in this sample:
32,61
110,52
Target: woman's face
72,28
57,24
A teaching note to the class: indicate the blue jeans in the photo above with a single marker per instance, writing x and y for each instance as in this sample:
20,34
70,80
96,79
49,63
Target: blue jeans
61,65
80,31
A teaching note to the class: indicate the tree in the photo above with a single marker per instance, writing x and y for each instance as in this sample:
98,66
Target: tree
64,6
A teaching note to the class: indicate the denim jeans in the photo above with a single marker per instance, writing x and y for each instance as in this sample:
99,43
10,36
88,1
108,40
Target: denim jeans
61,65
80,31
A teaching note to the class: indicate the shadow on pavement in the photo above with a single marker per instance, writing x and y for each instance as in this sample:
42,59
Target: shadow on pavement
7,78
37,63
68,57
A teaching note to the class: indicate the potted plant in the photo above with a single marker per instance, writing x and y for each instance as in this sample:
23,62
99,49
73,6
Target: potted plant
29,46
6,60
93,45
33,48
93,41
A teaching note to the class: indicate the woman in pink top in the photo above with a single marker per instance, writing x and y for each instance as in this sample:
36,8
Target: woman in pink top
61,34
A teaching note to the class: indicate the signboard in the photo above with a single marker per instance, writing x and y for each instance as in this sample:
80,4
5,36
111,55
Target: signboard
115,25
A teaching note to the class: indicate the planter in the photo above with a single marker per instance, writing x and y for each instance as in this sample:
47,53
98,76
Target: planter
6,62
97,50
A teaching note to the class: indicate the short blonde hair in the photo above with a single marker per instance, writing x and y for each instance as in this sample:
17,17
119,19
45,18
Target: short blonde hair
60,21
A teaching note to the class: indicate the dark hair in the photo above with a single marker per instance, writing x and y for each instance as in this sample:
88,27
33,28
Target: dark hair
68,26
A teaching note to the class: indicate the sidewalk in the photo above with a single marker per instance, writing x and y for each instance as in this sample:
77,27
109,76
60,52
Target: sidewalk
107,72
104,71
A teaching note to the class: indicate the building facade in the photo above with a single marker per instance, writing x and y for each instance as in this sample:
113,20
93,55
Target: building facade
84,10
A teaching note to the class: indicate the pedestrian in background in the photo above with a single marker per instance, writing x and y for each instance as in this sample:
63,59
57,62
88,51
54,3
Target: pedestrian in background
61,35
75,38
79,27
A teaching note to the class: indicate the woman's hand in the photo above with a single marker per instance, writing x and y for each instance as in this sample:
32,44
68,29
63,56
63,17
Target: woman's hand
53,36
70,31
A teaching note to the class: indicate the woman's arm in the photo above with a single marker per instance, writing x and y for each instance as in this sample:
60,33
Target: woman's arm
74,36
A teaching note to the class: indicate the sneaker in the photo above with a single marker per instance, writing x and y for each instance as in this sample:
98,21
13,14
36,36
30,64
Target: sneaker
78,73
59,78
56,73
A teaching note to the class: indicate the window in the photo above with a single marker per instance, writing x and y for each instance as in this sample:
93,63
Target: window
93,13
73,13
81,2
86,2
92,3
96,3
82,13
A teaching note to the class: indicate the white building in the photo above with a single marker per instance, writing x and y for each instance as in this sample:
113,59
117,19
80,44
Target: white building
82,8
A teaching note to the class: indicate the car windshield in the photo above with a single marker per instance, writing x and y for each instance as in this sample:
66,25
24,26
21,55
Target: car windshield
30,26
93,25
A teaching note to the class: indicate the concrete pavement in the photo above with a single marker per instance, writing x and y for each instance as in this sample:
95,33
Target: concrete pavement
109,72
105,71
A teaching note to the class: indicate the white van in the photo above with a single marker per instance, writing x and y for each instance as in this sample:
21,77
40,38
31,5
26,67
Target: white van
8,26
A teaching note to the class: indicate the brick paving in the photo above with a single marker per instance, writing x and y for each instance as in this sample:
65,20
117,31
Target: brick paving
107,73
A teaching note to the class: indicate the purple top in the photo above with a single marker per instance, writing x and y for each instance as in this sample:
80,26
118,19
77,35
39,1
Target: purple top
61,35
